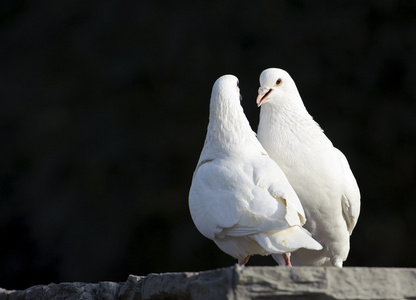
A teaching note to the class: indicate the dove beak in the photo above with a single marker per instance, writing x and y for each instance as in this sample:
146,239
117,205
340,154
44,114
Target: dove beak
264,92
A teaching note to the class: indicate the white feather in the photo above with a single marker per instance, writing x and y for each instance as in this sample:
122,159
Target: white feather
318,172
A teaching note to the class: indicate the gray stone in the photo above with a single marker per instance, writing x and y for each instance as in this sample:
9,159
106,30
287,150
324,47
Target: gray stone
241,283
68,291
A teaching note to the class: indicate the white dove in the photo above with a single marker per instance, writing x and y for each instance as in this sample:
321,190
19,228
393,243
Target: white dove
239,197
318,172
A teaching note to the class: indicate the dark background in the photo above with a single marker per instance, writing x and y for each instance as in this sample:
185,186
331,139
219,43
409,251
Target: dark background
104,109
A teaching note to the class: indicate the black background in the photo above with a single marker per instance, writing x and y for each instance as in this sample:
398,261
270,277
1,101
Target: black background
104,109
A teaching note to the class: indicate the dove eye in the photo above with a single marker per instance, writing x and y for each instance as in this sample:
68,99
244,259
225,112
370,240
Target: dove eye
278,81
238,83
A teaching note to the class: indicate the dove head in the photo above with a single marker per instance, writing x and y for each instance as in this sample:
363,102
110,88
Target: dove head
225,98
226,89
227,118
275,83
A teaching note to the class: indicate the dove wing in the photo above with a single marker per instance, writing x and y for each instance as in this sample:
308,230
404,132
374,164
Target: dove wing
240,202
270,176
213,200
351,195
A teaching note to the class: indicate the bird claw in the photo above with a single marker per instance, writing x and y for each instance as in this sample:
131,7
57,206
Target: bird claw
287,259
244,261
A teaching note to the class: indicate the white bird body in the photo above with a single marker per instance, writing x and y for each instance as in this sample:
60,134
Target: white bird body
239,197
318,172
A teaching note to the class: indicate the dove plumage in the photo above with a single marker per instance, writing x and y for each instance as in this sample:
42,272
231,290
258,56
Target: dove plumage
318,172
239,197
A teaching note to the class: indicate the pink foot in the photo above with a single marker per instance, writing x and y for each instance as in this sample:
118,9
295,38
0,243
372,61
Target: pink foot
287,259
244,261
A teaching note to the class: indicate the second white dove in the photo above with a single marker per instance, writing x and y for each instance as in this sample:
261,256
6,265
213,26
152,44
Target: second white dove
319,172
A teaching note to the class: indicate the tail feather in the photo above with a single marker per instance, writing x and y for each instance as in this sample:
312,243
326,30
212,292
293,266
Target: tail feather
287,240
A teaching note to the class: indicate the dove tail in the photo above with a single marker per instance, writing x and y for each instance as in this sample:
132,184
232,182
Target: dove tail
287,240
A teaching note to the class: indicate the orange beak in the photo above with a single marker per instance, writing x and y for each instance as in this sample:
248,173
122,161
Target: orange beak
263,94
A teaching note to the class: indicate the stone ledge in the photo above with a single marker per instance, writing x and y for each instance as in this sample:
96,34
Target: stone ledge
241,283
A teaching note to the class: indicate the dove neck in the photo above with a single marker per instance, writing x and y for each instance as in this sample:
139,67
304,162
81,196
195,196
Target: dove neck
228,125
291,124
285,112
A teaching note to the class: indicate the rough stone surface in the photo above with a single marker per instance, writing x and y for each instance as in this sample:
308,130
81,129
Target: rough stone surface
241,283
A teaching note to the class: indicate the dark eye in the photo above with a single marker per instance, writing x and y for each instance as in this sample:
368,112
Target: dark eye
238,83
278,81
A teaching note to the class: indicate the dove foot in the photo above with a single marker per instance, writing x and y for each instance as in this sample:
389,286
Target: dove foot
244,261
287,259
